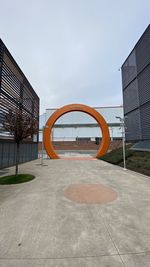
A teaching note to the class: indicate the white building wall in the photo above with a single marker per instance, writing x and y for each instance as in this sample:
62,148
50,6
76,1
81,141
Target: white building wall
109,114
70,133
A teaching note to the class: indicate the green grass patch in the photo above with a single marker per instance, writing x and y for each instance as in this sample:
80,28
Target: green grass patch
13,179
138,161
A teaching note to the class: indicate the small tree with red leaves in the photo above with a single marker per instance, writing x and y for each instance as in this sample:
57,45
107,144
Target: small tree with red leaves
21,126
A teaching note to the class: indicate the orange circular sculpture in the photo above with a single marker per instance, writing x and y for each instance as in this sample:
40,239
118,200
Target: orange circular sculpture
76,107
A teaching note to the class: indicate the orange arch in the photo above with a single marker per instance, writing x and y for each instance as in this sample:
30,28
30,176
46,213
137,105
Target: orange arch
76,107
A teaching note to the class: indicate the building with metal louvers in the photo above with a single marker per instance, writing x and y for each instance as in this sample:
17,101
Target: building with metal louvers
136,93
15,92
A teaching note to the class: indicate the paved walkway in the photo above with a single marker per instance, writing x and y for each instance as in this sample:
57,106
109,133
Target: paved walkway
39,226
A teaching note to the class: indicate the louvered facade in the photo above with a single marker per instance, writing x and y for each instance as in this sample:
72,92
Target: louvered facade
136,90
15,93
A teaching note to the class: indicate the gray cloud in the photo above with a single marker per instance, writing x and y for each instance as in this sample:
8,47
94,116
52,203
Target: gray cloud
70,50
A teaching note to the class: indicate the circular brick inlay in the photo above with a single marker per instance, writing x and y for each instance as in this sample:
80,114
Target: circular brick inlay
90,193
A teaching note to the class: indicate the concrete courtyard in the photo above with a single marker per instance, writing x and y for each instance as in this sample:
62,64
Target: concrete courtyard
39,226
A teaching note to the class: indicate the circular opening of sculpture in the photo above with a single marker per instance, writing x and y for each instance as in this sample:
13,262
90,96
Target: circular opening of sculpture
90,193
72,138
104,145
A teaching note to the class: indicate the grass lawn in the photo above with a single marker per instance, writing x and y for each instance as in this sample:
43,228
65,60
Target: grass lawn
20,178
138,161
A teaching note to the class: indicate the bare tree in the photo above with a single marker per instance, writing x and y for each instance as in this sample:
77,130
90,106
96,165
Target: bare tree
21,126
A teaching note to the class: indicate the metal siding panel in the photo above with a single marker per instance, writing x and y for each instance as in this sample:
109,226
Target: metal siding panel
1,58
144,85
8,153
5,156
143,50
145,121
129,70
1,155
131,97
133,126
12,154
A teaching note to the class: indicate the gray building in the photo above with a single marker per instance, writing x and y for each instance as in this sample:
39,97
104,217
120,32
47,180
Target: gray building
15,93
136,92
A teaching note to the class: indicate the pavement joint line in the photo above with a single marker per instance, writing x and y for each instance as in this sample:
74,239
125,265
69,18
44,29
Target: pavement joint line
121,254
77,257
104,223
111,238
61,258
107,230
135,253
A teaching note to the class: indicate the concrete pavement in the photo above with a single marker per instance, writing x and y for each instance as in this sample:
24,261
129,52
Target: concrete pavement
39,226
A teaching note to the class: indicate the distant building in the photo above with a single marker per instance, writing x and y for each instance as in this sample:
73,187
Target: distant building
75,125
136,92
15,92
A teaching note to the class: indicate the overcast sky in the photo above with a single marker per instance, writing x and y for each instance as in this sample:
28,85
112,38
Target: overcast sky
71,50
